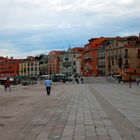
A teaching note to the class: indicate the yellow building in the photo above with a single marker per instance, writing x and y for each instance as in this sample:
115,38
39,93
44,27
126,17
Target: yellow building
29,67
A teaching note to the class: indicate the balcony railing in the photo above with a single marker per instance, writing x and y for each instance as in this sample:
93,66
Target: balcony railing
66,64
126,65
66,59
126,56
112,57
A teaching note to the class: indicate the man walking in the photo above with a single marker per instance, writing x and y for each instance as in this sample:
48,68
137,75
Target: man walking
48,84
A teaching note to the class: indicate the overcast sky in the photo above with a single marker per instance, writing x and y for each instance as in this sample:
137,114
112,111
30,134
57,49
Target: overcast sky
32,27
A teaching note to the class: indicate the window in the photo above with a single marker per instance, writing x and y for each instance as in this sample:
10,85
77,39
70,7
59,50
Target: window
41,62
126,51
138,53
112,62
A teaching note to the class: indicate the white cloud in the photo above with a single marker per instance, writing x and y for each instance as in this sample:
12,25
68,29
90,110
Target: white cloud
128,33
53,18
7,49
25,14
125,1
31,53
10,50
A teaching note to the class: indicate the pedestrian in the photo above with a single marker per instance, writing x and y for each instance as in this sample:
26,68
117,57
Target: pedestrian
7,84
5,87
81,80
48,84
137,80
130,80
77,81
120,79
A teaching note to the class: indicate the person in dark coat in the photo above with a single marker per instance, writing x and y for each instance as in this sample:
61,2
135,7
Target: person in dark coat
130,80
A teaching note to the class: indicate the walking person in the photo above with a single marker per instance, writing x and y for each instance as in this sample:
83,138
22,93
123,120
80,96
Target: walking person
5,87
77,80
130,80
48,84
7,84
137,81
81,78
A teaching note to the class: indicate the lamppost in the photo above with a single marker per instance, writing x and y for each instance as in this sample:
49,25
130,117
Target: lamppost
50,70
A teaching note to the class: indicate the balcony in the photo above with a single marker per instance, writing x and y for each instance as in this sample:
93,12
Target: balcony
126,56
112,57
126,65
66,64
138,55
66,59
87,58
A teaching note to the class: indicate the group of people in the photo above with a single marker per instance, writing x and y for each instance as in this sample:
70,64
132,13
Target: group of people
79,80
48,83
130,80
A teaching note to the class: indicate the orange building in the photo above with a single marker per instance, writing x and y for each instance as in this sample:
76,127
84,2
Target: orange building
89,57
77,50
9,67
54,61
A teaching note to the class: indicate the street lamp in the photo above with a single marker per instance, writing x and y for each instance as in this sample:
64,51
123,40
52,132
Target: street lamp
50,70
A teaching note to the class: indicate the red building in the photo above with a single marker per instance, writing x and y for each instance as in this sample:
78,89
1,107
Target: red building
89,57
9,67
54,61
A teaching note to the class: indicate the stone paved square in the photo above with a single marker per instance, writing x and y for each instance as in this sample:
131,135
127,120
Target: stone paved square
97,110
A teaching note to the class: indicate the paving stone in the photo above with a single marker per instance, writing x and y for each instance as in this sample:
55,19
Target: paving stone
73,113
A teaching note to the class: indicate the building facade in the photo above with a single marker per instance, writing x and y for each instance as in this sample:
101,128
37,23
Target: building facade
70,61
90,57
43,65
29,67
122,56
54,62
9,67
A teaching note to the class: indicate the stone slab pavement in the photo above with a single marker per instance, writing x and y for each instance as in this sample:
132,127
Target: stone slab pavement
90,111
